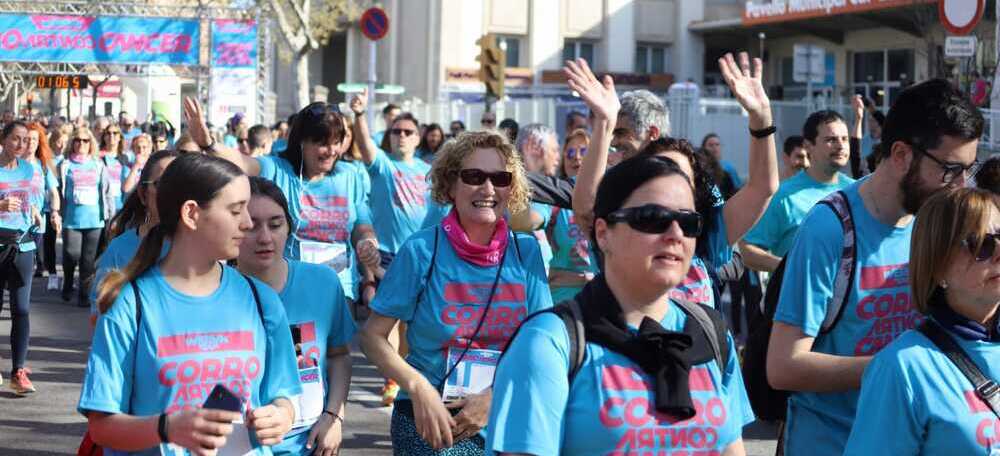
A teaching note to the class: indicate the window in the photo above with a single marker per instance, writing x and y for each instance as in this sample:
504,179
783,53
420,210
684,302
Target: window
512,46
650,59
576,49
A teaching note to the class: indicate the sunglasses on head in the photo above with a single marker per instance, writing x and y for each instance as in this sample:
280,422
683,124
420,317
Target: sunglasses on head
319,109
475,177
987,248
405,132
656,219
574,152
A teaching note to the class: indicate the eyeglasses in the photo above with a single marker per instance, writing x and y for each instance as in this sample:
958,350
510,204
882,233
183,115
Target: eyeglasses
574,152
987,248
81,140
488,121
951,170
656,219
475,177
402,132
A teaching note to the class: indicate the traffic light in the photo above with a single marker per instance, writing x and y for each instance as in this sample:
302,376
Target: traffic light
492,61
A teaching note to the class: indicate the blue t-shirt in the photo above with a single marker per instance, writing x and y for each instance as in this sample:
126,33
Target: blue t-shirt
377,137
435,213
878,310
117,172
323,212
545,211
730,169
399,198
572,252
319,317
795,197
17,183
609,407
187,345
279,145
43,181
81,184
452,302
117,255
914,391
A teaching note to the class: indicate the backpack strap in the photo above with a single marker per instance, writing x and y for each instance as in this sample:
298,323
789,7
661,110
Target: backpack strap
256,298
986,389
714,328
135,342
572,316
844,281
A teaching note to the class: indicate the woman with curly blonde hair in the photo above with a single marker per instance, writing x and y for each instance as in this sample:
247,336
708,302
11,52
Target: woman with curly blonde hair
463,287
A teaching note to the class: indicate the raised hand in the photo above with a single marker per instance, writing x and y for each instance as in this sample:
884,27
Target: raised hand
194,115
745,84
858,104
600,96
359,102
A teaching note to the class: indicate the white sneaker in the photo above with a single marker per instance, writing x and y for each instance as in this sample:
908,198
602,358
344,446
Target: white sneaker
54,283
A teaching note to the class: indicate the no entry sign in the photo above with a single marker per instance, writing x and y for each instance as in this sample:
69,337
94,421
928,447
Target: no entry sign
374,24
959,17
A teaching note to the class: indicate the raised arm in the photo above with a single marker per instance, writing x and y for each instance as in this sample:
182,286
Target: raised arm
602,100
857,132
195,117
743,210
362,134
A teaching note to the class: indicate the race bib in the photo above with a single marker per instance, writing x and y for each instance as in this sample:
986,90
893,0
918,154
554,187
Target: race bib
309,405
331,254
473,374
237,444
85,196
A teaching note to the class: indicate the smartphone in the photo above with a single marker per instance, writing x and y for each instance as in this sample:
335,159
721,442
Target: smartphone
221,398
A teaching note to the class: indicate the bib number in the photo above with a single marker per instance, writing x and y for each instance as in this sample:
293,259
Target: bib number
331,254
309,405
237,444
85,196
472,375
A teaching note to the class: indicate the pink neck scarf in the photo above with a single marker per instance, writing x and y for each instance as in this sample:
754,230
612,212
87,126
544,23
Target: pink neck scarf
481,255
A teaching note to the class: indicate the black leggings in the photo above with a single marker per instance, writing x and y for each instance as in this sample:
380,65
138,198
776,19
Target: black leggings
49,250
20,304
79,247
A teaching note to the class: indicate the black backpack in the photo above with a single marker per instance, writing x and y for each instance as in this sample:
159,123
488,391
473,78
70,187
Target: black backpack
768,403
569,312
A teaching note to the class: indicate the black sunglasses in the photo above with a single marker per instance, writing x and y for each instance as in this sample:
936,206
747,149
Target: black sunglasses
656,219
951,170
474,177
81,140
402,132
987,248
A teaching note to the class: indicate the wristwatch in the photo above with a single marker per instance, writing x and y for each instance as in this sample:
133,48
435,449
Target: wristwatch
209,148
763,132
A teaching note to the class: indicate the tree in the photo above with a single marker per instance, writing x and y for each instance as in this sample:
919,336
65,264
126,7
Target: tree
306,26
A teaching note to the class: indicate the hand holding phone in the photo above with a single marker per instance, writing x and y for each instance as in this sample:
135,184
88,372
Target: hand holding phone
221,398
201,431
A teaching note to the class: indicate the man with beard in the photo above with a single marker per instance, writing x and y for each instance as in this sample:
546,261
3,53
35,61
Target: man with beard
930,138
826,144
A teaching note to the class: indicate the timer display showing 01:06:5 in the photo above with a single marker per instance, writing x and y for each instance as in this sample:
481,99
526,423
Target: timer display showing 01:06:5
62,82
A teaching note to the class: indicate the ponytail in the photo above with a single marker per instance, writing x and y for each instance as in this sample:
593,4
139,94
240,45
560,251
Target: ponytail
145,258
132,214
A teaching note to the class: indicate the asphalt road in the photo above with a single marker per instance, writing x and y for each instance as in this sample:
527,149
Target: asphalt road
46,423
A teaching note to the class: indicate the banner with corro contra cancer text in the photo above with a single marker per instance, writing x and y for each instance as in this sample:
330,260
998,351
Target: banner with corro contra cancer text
89,39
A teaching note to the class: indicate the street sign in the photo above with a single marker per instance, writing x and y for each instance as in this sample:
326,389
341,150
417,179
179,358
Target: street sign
374,24
381,89
960,46
62,81
808,64
959,17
